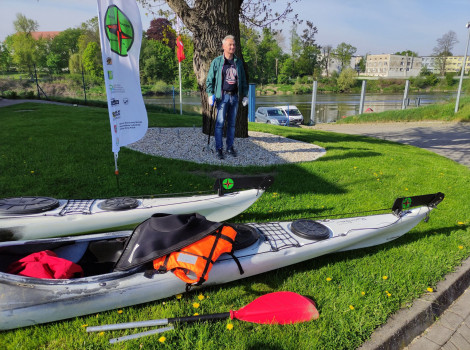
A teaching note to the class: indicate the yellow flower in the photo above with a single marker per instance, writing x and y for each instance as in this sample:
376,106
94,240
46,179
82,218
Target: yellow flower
196,314
388,294
195,305
162,339
84,325
384,277
101,334
179,296
230,326
200,297
363,293
460,223
355,167
460,246
351,307
328,279
430,290
119,311
155,168
32,171
406,189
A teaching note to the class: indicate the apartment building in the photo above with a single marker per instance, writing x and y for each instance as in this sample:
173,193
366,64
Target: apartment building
393,66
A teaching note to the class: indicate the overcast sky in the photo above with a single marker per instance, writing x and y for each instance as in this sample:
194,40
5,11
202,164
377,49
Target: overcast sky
384,26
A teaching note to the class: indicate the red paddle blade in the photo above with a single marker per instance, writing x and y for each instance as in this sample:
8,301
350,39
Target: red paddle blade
278,308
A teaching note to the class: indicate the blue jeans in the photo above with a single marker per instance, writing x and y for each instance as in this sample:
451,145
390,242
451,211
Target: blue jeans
226,108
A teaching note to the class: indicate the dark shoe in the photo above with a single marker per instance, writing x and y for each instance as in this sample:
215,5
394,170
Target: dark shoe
232,152
220,154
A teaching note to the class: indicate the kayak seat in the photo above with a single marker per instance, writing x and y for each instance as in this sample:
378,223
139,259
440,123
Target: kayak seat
310,229
101,256
246,236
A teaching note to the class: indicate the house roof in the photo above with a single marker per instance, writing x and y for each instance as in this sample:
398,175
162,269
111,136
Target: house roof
45,35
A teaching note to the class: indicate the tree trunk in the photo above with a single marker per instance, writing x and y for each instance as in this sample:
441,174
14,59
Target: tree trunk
210,21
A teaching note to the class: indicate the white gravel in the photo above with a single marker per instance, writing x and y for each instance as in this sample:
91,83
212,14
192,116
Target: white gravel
258,149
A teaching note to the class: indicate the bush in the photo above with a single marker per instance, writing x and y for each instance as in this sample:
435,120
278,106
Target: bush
10,94
161,88
450,79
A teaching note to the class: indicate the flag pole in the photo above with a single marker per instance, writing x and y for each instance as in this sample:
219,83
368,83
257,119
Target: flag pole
181,94
116,170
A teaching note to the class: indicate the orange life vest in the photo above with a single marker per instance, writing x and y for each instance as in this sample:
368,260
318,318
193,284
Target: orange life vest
199,257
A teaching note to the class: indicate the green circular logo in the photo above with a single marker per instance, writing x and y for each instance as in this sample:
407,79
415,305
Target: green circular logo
119,30
227,183
406,203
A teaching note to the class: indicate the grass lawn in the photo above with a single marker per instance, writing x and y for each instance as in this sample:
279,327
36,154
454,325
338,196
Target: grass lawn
65,152
434,112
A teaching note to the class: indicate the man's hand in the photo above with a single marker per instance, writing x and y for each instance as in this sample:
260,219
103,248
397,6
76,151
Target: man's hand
211,100
245,101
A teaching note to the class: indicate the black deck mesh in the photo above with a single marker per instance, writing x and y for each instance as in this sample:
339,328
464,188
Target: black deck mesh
277,237
77,206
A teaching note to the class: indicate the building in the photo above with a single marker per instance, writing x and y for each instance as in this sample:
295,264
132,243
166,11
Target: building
453,64
431,63
393,66
334,65
44,35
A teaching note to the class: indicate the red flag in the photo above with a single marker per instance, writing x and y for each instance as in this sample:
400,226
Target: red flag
180,50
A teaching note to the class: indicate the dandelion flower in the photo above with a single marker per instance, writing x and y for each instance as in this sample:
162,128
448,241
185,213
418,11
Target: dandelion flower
363,293
179,296
230,326
119,312
101,334
154,168
196,314
430,290
328,279
460,246
200,297
388,294
84,325
459,223
195,305
384,277
162,339
351,307
355,167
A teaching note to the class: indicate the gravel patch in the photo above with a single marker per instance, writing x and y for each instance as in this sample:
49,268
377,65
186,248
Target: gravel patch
258,149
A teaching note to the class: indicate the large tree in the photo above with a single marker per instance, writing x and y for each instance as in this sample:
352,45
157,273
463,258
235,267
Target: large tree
210,21
343,54
444,47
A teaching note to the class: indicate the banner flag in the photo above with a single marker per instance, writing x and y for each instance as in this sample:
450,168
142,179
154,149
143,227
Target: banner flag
180,50
121,37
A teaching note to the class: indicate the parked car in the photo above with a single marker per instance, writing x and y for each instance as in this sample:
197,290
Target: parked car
270,115
295,117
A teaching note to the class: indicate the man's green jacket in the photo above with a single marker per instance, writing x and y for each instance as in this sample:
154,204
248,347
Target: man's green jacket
214,78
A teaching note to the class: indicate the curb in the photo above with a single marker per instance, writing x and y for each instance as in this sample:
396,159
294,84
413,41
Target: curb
409,322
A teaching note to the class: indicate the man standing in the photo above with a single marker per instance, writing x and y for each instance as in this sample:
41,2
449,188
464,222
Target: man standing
225,82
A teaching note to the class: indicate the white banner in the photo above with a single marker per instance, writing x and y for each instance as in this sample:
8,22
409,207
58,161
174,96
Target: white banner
121,38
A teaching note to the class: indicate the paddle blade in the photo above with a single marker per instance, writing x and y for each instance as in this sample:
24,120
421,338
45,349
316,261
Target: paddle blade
278,308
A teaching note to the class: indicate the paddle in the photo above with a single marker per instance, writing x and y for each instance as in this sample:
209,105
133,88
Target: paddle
272,308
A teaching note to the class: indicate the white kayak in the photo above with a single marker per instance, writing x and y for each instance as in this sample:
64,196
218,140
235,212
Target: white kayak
263,247
27,218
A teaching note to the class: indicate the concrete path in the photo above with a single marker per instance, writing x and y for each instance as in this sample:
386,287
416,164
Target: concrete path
416,328
451,140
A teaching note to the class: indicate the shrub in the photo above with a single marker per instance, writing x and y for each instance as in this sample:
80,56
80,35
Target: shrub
450,79
10,94
161,88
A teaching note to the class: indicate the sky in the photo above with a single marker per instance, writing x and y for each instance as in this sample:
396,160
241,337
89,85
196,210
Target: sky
373,27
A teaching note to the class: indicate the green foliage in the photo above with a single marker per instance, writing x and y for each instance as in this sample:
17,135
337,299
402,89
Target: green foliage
160,88
343,53
407,53
5,57
75,64
62,47
157,62
346,79
91,59
450,78
22,24
24,51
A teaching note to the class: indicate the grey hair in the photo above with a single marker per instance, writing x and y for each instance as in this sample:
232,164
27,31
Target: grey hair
228,37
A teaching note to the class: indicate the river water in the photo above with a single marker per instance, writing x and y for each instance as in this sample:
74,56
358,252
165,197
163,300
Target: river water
329,107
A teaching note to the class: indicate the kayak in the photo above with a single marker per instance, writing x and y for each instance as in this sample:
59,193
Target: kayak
27,218
260,247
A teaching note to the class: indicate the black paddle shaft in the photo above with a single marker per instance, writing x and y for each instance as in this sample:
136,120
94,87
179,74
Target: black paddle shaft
210,317
210,123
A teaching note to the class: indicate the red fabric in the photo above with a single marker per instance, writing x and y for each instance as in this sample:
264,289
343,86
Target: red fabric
45,264
180,50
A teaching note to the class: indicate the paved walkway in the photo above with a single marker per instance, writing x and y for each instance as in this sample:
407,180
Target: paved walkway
416,328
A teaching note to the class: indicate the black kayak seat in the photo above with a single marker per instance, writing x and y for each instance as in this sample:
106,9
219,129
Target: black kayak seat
310,229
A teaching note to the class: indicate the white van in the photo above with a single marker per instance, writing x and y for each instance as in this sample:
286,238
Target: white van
295,117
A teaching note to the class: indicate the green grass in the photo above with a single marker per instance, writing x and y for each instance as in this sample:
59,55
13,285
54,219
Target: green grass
434,112
65,152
